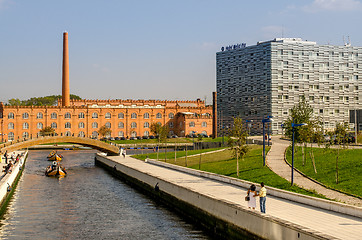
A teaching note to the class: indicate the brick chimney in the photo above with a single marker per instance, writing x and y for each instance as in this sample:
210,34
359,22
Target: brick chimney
65,72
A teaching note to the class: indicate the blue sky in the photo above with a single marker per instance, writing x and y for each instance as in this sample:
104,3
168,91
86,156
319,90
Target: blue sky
150,49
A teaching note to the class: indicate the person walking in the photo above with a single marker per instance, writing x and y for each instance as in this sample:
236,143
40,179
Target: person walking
252,197
6,156
124,153
262,195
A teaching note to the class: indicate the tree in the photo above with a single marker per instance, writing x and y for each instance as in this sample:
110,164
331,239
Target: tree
104,131
160,132
199,138
340,138
302,112
47,131
40,101
155,129
237,141
14,102
318,137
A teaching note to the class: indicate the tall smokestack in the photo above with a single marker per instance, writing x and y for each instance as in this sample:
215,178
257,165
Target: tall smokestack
65,72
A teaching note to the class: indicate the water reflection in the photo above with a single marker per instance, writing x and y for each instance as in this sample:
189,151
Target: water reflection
86,204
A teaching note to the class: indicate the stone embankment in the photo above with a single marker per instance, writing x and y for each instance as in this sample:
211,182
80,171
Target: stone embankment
217,203
9,180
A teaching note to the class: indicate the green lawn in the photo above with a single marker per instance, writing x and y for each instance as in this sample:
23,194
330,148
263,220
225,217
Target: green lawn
349,164
251,168
60,143
180,156
170,140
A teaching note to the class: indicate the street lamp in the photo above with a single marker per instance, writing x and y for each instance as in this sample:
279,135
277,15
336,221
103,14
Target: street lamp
223,134
294,126
355,126
268,133
193,139
249,125
248,122
265,120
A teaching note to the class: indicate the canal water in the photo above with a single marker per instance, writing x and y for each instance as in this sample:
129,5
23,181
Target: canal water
89,203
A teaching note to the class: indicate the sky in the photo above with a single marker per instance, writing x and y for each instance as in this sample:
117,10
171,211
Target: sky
160,49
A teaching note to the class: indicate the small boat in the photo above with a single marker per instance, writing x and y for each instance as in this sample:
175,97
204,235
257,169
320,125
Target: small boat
55,170
54,156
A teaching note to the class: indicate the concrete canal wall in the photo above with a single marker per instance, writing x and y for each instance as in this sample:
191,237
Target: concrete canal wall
222,218
296,197
9,181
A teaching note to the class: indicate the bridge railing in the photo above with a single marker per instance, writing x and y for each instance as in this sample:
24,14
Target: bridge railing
38,137
23,139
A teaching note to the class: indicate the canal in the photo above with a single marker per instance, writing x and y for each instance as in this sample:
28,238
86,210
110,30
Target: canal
89,203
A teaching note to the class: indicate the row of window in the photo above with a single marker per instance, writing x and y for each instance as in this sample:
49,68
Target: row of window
301,76
11,135
351,55
94,115
321,98
95,125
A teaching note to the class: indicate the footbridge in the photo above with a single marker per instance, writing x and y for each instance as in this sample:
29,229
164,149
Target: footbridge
110,148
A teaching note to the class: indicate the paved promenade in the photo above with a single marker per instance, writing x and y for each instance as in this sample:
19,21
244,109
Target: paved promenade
275,161
332,225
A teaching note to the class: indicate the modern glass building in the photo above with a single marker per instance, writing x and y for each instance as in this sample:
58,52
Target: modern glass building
269,78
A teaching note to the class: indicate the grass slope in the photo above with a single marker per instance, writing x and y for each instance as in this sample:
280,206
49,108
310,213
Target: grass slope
250,168
349,164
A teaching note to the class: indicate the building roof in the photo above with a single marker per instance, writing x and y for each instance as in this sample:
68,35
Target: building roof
187,104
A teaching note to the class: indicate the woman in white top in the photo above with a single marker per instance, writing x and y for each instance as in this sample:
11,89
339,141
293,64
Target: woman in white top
252,197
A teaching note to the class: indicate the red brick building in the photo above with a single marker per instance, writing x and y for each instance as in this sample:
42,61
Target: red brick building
83,118
125,118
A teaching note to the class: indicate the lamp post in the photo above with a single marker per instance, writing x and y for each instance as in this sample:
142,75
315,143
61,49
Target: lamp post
265,120
248,122
355,125
294,126
193,139
268,133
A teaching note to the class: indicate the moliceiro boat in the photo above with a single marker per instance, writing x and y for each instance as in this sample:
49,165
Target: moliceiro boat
55,170
54,156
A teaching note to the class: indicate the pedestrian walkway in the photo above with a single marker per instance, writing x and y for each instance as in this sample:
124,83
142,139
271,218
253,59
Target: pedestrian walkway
332,225
275,161
3,164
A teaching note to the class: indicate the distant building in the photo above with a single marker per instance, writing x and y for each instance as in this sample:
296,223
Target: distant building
269,78
126,118
83,118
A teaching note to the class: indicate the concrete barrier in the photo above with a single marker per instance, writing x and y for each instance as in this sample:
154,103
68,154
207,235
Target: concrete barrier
9,182
300,198
223,218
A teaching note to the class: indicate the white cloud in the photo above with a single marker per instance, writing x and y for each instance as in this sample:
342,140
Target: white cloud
272,31
333,5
